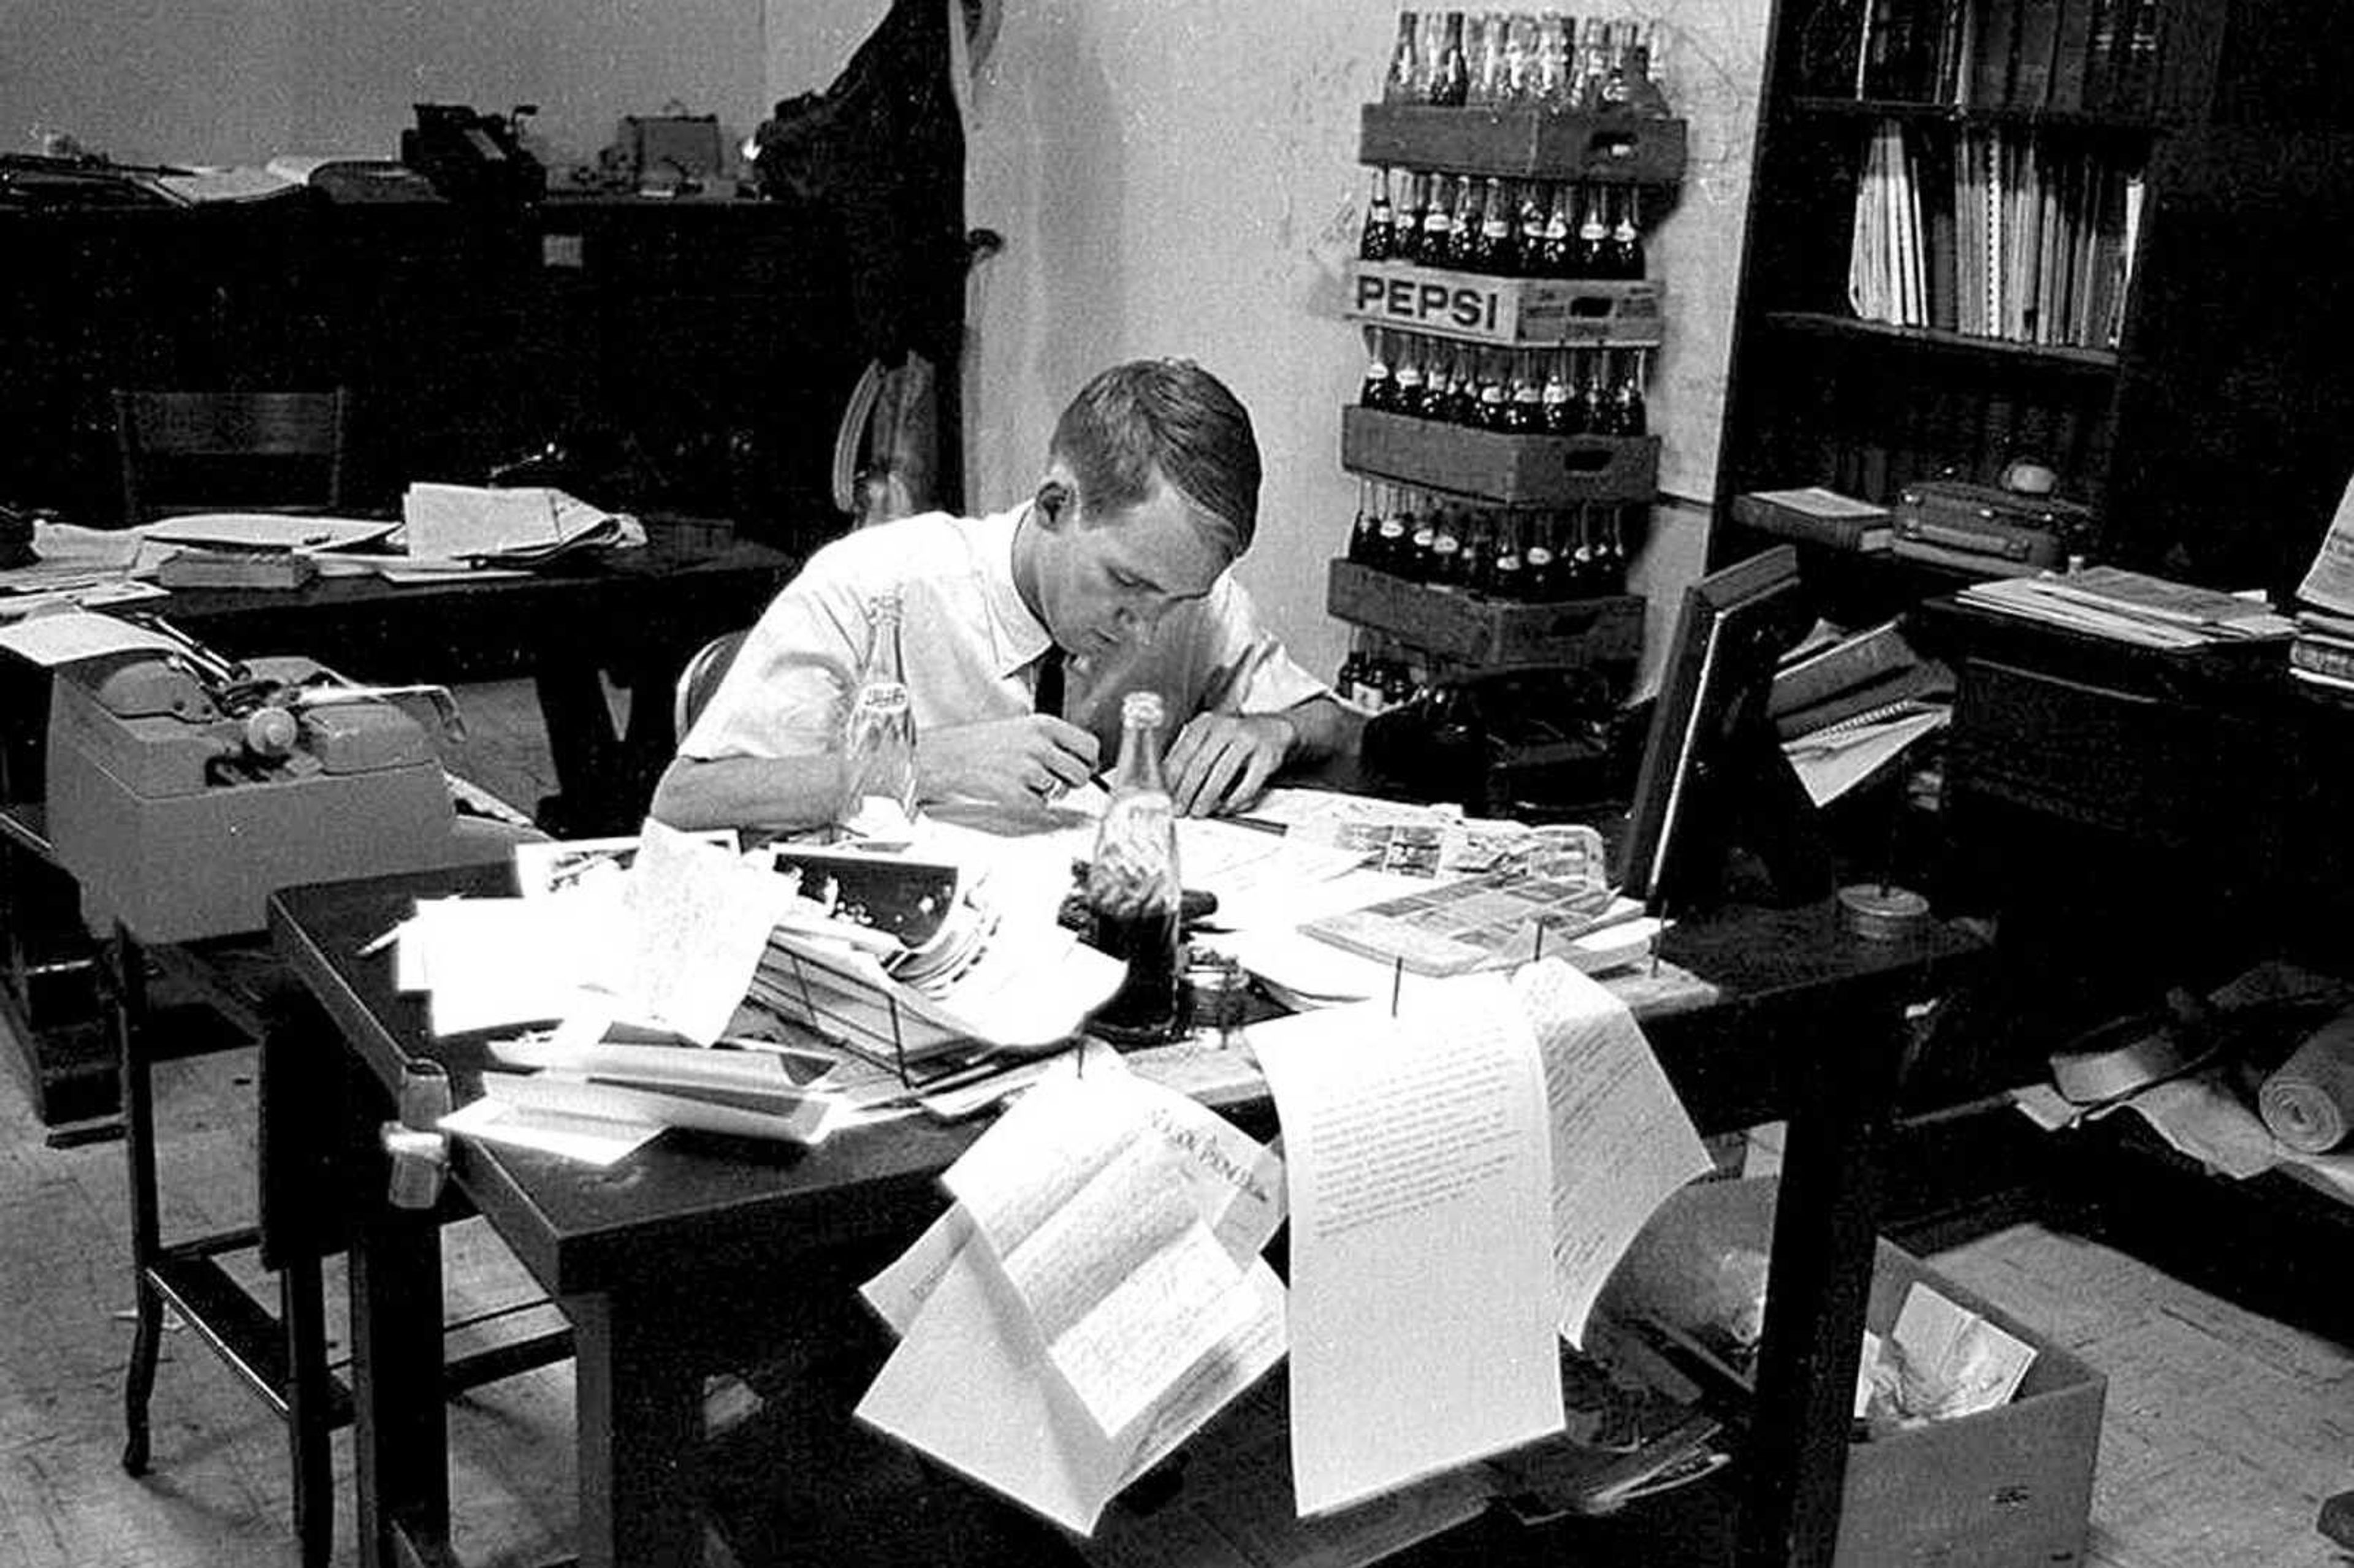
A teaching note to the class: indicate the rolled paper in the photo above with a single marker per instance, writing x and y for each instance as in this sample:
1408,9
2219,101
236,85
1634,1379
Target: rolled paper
2309,1101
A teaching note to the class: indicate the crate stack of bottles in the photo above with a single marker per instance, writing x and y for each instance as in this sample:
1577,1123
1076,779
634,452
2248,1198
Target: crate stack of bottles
1502,433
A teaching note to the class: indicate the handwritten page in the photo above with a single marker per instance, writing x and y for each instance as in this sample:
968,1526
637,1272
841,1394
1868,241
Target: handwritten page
972,1382
1621,1140
1422,1318
698,920
967,1385
1098,1232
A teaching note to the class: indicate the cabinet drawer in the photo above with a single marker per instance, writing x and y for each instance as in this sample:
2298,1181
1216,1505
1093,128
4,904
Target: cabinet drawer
2122,761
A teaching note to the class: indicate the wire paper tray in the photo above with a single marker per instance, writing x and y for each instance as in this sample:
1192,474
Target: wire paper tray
1029,990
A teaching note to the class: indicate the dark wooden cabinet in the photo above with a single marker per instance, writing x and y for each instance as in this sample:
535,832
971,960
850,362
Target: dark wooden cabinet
2172,345
688,357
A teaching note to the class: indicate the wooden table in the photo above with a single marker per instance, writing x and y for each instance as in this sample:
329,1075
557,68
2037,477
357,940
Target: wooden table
671,1263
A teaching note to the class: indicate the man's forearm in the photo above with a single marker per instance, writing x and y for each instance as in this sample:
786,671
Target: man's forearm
780,792
1321,728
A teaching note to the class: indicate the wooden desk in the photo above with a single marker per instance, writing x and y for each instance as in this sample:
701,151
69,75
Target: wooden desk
633,619
674,1262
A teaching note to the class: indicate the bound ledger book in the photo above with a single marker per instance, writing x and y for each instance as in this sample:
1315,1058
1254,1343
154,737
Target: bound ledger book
1814,515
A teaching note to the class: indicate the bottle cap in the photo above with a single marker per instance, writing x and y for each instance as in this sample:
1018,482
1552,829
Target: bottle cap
1142,707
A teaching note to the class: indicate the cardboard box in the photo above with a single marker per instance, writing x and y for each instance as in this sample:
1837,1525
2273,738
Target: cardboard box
1523,141
1472,307
2005,1487
1494,465
1575,634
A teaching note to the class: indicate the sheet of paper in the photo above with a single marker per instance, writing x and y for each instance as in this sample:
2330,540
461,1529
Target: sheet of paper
805,1121
592,1140
1087,1211
1257,875
266,531
1831,766
1621,1140
66,635
1422,1315
2329,580
1949,1361
491,963
1236,1182
968,1385
698,920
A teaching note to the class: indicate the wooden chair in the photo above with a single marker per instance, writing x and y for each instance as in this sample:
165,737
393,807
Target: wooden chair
183,451
702,677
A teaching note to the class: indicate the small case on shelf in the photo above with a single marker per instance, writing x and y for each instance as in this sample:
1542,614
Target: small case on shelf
1511,469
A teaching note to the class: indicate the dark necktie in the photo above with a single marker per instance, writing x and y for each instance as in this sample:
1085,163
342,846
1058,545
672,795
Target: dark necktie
1049,698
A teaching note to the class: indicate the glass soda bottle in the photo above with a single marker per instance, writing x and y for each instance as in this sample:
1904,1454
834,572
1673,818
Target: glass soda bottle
1450,75
1381,218
879,729
1132,884
1622,255
1403,81
1377,391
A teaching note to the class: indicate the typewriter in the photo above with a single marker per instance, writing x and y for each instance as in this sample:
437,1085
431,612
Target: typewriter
184,787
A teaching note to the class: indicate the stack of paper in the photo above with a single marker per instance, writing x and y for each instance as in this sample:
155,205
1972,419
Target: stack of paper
524,526
912,965
2132,606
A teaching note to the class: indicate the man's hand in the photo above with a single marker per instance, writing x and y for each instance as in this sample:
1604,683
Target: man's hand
1018,761
1222,761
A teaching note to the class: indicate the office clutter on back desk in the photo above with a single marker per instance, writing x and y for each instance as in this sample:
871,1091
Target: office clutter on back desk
446,530
2322,656
1846,706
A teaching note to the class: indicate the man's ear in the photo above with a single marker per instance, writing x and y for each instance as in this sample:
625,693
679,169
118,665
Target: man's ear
1053,503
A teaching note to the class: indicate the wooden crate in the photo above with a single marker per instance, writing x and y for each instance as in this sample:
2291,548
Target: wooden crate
1584,312
1524,141
1466,627
1509,469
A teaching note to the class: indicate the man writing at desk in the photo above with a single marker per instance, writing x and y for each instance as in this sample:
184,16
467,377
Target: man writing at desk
1112,577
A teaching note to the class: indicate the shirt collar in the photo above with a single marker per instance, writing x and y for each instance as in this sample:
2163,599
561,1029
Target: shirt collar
1018,635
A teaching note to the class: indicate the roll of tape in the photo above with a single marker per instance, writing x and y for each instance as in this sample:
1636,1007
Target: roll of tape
1879,912
2309,1101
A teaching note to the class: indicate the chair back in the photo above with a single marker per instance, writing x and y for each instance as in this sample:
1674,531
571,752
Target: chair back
702,677
183,449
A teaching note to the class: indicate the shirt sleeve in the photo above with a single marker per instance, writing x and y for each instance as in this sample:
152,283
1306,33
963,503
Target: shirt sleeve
783,694
1252,673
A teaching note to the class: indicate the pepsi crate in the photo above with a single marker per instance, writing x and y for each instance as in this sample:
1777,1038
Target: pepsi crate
1539,312
1511,469
1524,141
1474,629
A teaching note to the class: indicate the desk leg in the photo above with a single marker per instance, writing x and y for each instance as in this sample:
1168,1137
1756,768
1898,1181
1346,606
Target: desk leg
401,1433
641,1436
123,970
1825,1231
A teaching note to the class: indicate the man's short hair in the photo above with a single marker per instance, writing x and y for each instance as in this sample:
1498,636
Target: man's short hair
1164,416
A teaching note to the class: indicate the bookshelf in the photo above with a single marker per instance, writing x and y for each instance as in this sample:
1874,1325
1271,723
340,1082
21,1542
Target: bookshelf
1982,230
